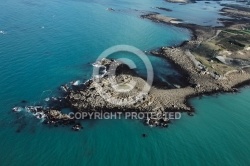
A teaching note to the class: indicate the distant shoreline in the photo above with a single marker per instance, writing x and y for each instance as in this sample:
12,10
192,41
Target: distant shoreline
238,80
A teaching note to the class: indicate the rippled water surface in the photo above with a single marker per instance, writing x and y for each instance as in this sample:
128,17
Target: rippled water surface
45,43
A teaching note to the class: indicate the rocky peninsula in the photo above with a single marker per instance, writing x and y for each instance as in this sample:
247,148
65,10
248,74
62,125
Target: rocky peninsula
214,60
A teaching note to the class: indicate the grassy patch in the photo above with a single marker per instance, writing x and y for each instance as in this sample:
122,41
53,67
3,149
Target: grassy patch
238,32
214,66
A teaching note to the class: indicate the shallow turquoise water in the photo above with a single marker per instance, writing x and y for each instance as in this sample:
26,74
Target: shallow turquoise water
48,43
217,135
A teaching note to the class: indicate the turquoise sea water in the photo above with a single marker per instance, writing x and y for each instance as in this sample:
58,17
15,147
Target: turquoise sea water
47,43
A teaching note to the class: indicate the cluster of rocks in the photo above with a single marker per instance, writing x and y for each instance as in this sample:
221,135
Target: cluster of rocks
161,122
50,112
77,127
108,91
57,117
165,9
47,115
37,111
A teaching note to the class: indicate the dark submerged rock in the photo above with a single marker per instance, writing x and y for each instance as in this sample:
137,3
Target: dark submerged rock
77,127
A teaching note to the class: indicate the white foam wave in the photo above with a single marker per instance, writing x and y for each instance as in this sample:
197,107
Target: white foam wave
17,109
2,32
36,111
76,83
